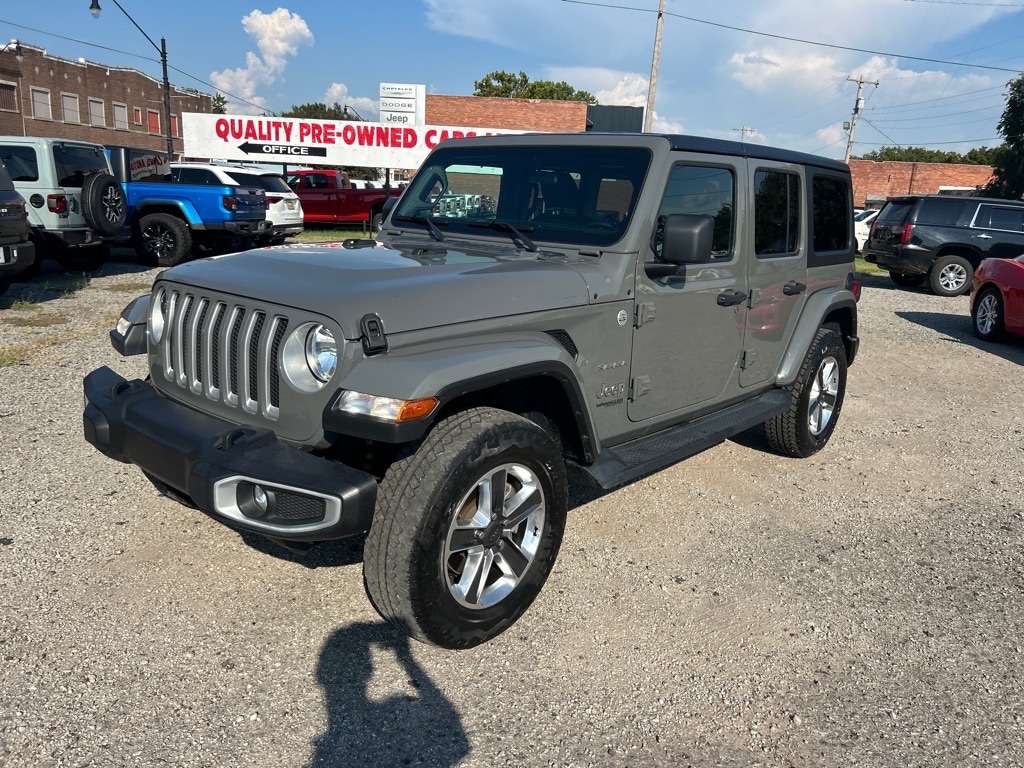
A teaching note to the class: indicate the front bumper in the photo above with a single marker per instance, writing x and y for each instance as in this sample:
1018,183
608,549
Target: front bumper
218,465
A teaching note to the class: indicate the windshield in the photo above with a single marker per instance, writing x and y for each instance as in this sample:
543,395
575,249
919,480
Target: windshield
572,195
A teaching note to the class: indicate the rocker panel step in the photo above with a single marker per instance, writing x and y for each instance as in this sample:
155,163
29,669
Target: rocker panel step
626,462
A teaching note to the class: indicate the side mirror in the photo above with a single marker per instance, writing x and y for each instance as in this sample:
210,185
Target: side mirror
687,238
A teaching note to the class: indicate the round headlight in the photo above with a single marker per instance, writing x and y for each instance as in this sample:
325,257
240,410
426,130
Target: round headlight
157,317
321,352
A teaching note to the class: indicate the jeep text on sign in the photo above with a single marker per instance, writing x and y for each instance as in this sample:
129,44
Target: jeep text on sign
317,142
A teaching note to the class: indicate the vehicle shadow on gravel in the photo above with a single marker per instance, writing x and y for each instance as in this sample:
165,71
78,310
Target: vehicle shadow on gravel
957,329
415,725
53,282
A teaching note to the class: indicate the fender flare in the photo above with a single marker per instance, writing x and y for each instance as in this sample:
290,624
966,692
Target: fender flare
818,307
184,209
447,372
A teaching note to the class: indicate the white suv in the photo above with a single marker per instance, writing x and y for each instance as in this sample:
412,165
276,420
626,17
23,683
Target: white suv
75,203
284,209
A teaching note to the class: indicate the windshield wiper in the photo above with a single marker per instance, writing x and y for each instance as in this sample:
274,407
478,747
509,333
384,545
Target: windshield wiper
435,233
504,226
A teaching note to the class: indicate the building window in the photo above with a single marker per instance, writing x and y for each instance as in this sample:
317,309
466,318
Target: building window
96,116
120,117
175,127
8,97
41,104
137,115
154,121
69,108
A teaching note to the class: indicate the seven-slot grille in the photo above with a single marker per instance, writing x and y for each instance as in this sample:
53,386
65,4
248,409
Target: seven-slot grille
223,351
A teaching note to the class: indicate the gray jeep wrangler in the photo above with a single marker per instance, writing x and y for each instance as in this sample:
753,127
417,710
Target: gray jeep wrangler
615,301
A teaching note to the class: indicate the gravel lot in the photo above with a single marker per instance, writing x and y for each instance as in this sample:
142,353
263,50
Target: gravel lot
859,608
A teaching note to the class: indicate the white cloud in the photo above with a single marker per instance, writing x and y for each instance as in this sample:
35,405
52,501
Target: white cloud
365,107
277,35
767,68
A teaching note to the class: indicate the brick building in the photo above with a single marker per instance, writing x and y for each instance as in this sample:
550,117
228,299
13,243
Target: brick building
873,181
516,114
45,95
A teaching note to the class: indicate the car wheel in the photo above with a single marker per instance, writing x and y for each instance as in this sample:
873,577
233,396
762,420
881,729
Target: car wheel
5,283
817,398
83,259
987,315
906,281
467,528
951,276
376,219
164,239
103,203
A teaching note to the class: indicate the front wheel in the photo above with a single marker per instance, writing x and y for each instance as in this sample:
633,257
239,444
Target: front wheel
467,528
987,317
951,276
817,398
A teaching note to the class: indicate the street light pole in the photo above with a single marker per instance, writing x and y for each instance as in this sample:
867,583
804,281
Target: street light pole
94,9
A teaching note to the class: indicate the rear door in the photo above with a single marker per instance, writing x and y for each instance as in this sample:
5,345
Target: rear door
777,272
998,231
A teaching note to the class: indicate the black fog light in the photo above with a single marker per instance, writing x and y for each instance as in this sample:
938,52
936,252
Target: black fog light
254,501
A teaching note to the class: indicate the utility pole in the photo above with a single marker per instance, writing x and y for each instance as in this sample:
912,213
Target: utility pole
857,107
744,131
655,63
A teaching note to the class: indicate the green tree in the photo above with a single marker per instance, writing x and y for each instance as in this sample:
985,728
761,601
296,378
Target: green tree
977,156
506,85
318,111
1008,163
219,104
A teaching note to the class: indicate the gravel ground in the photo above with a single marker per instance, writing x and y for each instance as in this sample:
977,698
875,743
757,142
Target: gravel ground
859,608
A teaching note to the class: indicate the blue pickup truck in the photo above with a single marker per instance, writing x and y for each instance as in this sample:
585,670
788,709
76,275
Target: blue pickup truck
167,219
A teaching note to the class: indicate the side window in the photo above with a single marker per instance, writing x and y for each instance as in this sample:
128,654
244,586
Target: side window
21,162
703,191
1007,219
832,213
940,213
776,213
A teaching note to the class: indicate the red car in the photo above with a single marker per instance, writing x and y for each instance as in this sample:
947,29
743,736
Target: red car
997,298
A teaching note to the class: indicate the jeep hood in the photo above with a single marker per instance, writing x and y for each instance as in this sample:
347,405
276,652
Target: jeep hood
410,289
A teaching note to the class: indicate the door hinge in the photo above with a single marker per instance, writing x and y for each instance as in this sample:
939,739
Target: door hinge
747,359
639,387
645,313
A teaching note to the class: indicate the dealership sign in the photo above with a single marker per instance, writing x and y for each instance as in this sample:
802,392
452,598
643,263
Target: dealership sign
403,103
316,142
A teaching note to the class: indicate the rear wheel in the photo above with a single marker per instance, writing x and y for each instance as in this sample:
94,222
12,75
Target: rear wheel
817,398
163,239
467,528
987,317
906,281
376,219
5,283
951,276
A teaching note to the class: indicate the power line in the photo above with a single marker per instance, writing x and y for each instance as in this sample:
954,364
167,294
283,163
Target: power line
136,55
798,39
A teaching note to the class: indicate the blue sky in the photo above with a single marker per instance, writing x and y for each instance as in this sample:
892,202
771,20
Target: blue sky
753,80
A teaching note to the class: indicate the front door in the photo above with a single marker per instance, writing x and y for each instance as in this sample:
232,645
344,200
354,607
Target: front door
686,345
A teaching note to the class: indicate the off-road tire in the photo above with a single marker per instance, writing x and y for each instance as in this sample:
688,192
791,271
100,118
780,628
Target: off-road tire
987,318
414,568
950,276
817,399
907,281
163,239
103,204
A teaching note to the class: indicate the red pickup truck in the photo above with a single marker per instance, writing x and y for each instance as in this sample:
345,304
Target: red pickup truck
328,196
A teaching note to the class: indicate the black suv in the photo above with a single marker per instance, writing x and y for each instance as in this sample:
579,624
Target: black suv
942,239
17,252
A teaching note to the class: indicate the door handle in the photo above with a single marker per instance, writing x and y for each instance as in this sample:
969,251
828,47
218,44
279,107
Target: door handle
984,237
793,288
731,298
